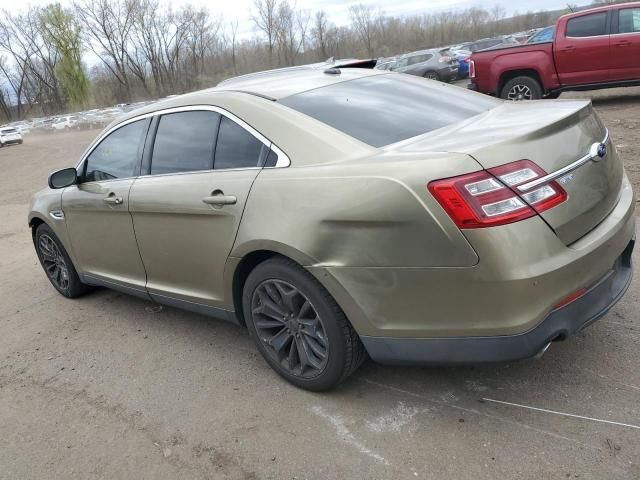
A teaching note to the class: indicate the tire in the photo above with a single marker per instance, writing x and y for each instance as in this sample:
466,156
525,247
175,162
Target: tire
323,326
58,257
521,88
432,75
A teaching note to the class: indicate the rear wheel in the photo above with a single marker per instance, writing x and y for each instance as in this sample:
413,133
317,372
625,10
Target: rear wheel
298,327
432,75
57,265
521,88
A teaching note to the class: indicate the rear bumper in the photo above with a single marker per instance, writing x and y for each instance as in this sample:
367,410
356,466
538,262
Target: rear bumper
559,324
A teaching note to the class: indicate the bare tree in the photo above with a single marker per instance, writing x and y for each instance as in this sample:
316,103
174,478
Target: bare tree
319,32
364,24
108,25
265,18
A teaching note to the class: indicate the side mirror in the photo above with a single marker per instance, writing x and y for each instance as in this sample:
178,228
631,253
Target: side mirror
63,178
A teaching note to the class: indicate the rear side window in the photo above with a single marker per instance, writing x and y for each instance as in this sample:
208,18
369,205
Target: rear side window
118,154
387,108
629,20
593,25
419,58
236,148
184,142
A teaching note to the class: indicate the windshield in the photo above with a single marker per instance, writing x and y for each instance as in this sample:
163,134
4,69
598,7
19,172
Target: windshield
384,109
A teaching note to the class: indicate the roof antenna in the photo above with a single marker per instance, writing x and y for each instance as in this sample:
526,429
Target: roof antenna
570,8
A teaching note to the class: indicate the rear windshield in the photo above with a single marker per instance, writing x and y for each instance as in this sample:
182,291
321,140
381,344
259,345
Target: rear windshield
384,109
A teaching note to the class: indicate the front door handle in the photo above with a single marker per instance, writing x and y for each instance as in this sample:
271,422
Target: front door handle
112,199
219,199
623,43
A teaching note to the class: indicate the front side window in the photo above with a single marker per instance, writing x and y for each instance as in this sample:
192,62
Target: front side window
118,154
592,25
236,147
629,20
184,142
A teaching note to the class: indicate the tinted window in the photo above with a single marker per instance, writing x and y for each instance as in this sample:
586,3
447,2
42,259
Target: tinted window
629,20
236,147
118,154
545,35
588,25
419,59
384,109
184,142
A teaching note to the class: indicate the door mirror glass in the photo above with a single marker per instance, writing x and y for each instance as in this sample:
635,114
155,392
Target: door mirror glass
63,178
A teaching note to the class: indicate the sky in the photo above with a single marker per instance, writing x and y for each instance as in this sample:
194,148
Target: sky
337,10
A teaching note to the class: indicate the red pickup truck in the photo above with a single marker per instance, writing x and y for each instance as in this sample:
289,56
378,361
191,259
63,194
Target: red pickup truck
595,48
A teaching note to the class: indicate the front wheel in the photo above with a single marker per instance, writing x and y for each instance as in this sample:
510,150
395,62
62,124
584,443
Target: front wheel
298,327
521,88
432,76
56,263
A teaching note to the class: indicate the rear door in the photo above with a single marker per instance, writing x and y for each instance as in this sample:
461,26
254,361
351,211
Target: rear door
625,44
187,209
582,49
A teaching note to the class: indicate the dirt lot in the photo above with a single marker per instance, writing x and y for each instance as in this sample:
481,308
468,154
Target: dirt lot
103,387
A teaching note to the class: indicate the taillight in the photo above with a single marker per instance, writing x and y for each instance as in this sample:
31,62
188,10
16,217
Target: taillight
488,198
472,69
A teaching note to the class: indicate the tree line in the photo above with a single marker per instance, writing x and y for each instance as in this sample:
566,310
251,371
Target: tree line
100,52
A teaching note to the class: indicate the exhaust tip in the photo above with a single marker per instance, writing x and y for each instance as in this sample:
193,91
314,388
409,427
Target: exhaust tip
542,351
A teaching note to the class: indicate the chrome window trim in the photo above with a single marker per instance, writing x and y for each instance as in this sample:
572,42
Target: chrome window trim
283,159
564,170
625,33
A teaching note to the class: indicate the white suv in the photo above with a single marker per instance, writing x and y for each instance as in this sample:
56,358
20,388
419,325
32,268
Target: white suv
9,136
62,123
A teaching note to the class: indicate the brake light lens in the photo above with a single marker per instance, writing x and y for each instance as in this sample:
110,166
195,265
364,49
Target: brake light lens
490,197
472,68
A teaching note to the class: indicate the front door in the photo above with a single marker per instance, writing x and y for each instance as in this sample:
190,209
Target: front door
97,210
582,51
625,45
186,213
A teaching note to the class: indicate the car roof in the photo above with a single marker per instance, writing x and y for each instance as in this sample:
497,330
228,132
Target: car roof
329,63
287,83
270,87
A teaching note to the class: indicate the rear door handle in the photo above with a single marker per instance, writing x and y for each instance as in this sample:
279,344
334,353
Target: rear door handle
112,199
624,43
219,199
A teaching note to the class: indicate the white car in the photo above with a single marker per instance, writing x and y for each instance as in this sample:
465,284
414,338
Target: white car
9,136
62,123
22,127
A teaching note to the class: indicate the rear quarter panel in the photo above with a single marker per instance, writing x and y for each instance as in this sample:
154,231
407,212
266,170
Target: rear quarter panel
371,213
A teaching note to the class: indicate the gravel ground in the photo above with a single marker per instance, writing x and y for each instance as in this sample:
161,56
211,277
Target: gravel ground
105,387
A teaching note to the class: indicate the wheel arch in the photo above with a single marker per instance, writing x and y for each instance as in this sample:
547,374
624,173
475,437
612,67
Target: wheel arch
511,74
237,271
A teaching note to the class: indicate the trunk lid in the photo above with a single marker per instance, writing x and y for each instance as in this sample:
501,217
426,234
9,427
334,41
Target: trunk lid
554,135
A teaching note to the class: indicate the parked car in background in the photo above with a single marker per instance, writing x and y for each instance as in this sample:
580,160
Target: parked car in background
435,64
111,113
463,57
9,136
385,63
340,214
23,127
65,122
591,49
542,35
